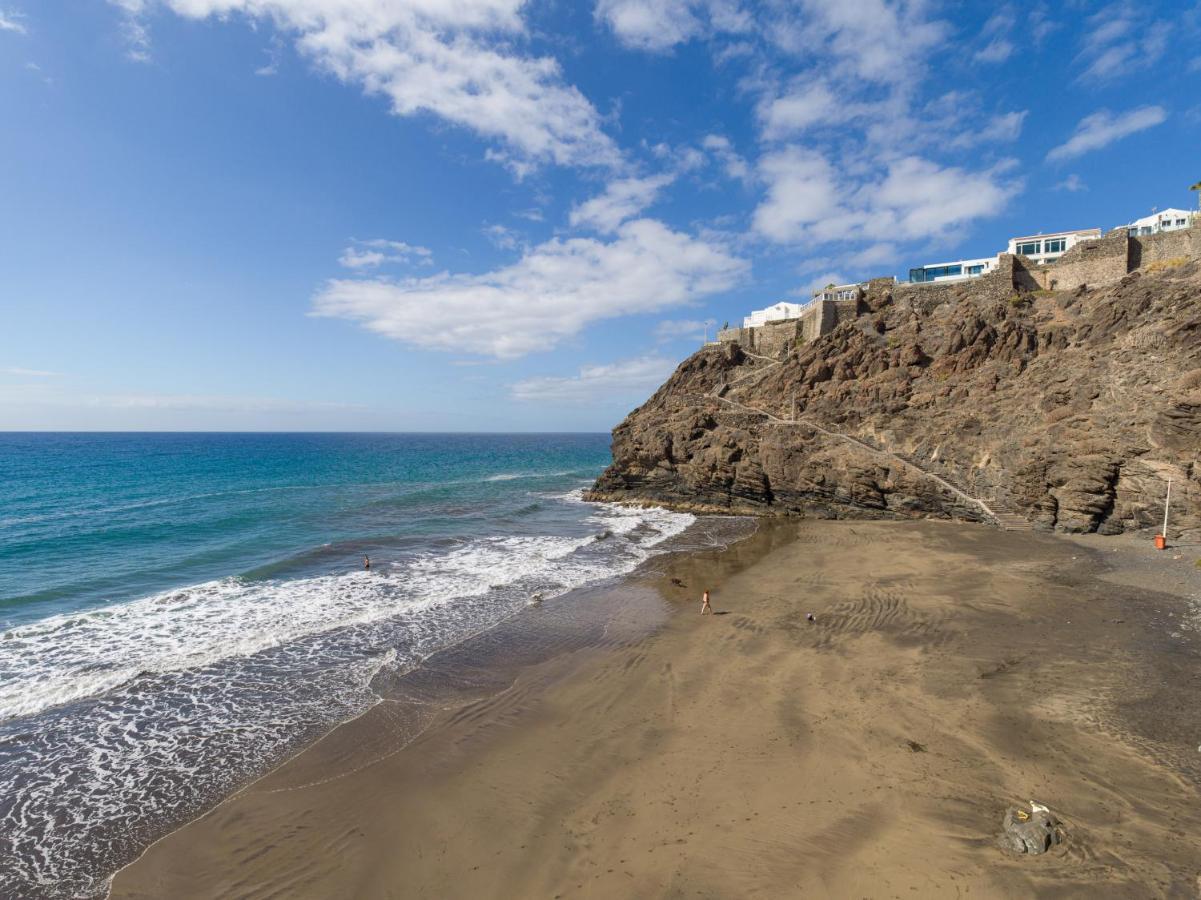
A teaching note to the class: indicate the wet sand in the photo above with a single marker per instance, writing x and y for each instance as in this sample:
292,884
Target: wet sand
952,671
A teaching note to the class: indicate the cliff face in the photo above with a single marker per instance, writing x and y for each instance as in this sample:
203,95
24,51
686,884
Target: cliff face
1069,409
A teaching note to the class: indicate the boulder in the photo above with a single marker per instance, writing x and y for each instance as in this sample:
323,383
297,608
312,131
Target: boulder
1032,831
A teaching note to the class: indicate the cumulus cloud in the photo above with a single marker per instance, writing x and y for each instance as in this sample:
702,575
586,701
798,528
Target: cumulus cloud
912,199
810,104
802,189
554,291
650,24
458,61
873,40
658,25
378,251
1102,128
623,199
608,383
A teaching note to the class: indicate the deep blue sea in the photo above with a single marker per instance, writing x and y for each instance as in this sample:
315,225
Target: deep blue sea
179,611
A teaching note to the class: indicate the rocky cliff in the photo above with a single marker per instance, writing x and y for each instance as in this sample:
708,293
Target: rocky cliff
1066,410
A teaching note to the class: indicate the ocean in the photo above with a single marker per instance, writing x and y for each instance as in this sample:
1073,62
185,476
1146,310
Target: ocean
180,612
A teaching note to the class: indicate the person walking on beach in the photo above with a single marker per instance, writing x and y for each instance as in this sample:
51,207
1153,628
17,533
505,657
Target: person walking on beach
705,607
366,562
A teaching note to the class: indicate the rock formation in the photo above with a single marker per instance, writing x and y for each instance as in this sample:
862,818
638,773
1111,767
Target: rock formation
1067,410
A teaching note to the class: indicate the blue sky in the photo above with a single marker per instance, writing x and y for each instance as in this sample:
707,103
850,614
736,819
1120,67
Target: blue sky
495,215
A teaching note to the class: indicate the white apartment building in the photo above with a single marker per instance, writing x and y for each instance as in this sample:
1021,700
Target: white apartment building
1039,248
1045,248
774,313
1164,220
952,271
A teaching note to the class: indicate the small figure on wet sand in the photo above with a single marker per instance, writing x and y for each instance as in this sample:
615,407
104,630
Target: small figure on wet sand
811,618
366,562
705,607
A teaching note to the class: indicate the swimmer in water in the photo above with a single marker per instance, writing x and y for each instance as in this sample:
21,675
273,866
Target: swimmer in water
366,562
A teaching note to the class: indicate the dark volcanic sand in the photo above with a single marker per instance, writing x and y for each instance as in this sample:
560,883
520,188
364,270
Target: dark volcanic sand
953,670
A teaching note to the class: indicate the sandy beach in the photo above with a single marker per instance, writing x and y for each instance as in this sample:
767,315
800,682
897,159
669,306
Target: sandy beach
952,671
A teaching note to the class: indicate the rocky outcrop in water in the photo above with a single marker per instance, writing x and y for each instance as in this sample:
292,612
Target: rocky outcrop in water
1069,409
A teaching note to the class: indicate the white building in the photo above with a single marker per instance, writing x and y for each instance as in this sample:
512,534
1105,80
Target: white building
1045,248
837,292
1039,248
1165,220
776,313
953,271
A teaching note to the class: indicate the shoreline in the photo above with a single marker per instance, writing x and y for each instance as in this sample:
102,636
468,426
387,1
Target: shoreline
943,680
484,664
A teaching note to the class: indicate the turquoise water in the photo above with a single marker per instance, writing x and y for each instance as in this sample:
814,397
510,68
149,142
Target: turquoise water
179,611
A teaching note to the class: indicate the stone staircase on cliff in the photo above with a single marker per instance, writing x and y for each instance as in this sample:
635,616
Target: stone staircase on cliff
1003,515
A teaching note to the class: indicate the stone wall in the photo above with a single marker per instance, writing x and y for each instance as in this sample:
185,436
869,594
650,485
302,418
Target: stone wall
1094,262
1166,245
771,339
996,285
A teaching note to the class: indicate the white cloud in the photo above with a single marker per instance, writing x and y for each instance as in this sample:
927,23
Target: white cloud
914,198
875,255
684,329
736,167
808,105
377,252
1072,183
1103,128
872,40
802,189
458,61
554,291
11,21
1120,37
998,129
821,281
623,199
997,51
505,238
20,372
611,383
658,25
650,24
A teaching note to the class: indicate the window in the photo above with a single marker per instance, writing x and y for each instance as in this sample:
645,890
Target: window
1029,248
975,270
1182,221
1146,229
1055,245
931,273
1050,259
1132,232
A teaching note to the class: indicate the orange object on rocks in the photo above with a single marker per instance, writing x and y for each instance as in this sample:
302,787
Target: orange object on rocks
1160,542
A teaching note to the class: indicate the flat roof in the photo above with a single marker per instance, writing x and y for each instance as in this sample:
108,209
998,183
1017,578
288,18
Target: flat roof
958,262
1047,234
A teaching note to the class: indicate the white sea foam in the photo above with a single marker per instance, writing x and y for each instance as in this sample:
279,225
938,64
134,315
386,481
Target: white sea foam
67,657
176,697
